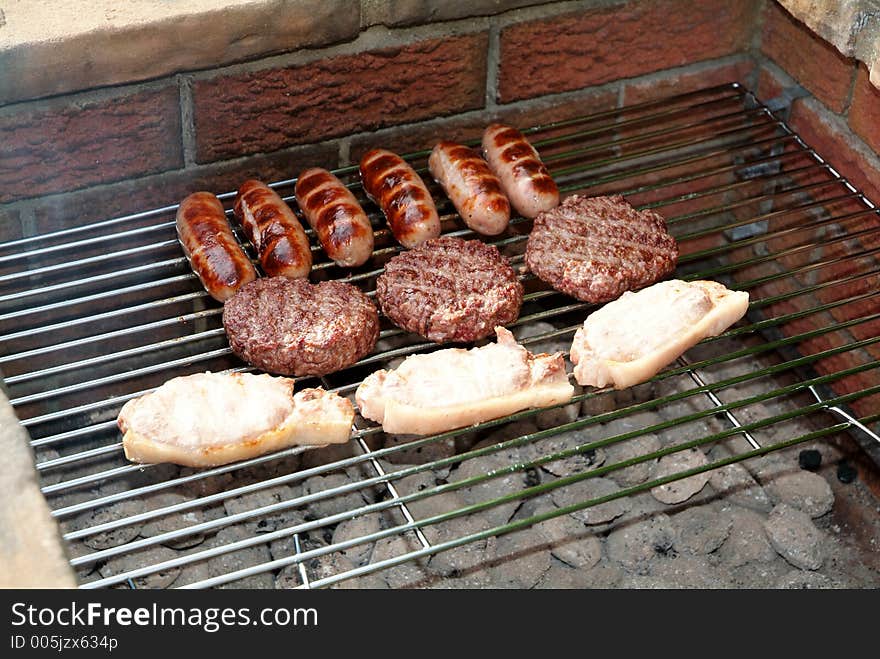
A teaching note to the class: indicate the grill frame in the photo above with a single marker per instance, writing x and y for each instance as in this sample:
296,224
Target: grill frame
824,400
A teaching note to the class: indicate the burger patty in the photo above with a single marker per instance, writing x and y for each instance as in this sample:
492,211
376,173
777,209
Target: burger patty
597,248
293,327
448,289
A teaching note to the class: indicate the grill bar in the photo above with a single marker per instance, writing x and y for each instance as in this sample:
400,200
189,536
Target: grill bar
748,201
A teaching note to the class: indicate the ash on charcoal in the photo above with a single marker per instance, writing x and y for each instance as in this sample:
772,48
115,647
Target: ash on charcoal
747,541
435,450
560,415
591,488
147,556
179,521
492,488
464,565
793,534
520,559
326,455
678,571
803,490
805,580
736,484
334,504
203,487
560,575
230,562
105,514
412,573
627,450
573,464
682,489
701,529
571,541
352,529
251,501
810,459
634,545
560,343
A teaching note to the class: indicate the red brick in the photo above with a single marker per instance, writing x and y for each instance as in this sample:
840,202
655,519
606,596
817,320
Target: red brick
770,85
65,144
83,206
814,62
681,83
275,108
831,139
10,225
425,135
598,45
864,113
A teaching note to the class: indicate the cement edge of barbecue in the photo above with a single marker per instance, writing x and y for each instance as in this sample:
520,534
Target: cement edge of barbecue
49,48
32,553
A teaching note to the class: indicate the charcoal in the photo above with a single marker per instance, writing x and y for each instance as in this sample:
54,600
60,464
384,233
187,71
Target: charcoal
793,534
635,545
520,559
603,575
810,459
676,571
334,504
410,574
803,490
571,541
736,484
846,473
626,450
682,489
701,529
747,541
806,580
358,527
587,489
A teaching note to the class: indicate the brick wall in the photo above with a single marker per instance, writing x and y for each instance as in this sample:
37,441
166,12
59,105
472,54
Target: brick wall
410,74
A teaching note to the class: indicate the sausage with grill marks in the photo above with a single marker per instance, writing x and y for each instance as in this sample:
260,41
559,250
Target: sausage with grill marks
336,216
471,186
524,177
269,223
402,195
210,246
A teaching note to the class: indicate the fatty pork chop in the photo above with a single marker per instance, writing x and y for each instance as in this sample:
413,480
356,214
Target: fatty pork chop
455,387
629,340
210,419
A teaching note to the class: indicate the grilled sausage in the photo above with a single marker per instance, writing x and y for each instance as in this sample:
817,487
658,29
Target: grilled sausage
401,194
210,246
278,237
524,177
336,216
471,186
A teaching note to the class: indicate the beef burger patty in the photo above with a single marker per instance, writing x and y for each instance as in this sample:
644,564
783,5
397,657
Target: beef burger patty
293,327
448,289
597,248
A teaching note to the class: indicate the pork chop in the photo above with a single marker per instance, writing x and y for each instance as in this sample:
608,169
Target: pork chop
455,387
629,340
210,419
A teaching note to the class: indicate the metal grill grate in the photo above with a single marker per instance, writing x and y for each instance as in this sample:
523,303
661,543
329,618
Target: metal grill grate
95,315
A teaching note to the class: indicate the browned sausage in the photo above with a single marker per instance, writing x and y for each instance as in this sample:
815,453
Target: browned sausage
210,246
471,186
524,177
402,195
336,216
281,244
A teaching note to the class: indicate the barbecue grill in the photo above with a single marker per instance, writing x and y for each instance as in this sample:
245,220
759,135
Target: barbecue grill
95,315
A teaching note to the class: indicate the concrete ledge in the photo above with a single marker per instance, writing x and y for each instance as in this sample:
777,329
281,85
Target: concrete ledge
851,26
49,47
31,549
